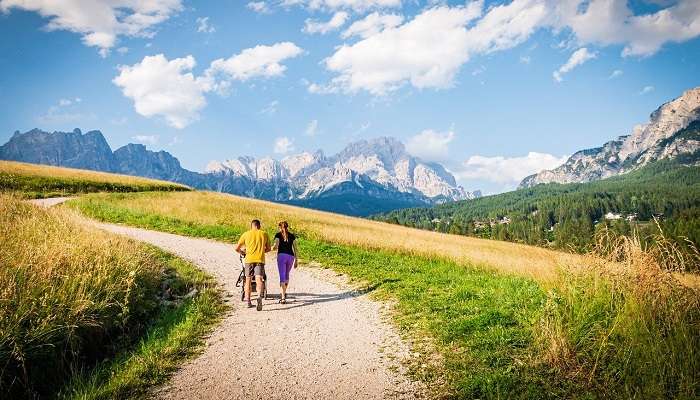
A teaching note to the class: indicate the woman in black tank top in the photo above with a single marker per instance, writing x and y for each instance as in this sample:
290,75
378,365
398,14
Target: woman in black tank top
286,246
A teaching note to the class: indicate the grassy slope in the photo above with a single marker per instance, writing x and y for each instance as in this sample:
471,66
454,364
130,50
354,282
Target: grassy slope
99,297
634,333
478,321
47,181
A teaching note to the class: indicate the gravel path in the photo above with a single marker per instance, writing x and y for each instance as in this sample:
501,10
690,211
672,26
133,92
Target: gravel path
327,342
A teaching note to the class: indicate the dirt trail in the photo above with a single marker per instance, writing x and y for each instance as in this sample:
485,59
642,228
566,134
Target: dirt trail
327,342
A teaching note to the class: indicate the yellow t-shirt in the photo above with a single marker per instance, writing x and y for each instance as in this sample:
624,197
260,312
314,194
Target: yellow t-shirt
256,241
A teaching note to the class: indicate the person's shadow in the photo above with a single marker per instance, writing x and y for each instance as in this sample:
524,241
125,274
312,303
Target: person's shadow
295,300
308,299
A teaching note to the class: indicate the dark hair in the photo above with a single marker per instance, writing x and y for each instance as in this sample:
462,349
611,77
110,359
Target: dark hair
256,222
284,229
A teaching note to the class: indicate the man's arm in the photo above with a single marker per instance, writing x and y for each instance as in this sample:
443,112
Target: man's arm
241,243
267,243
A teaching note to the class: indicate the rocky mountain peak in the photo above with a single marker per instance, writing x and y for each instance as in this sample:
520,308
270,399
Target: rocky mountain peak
646,143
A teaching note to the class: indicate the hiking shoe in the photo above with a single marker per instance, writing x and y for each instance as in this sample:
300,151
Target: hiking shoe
250,305
259,307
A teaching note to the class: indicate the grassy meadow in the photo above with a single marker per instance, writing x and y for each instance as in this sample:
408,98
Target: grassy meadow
87,314
490,319
37,181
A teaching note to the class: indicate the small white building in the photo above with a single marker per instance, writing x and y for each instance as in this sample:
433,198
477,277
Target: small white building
613,216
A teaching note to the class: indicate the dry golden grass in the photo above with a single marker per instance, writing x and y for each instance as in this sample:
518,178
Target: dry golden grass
66,292
216,208
25,170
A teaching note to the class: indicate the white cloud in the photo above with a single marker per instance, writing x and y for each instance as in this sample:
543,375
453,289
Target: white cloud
64,102
160,87
507,170
337,20
606,22
123,50
578,57
426,51
100,22
332,5
311,128
615,74
270,108
372,24
525,59
429,50
259,7
283,145
259,61
203,25
646,89
146,139
478,70
169,89
430,145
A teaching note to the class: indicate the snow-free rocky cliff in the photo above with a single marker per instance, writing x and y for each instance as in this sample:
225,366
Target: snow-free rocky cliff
378,173
672,132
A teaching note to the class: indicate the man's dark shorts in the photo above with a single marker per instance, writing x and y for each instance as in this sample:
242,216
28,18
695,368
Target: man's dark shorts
257,268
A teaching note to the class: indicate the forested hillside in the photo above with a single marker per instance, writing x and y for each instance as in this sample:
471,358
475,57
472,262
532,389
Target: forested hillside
568,216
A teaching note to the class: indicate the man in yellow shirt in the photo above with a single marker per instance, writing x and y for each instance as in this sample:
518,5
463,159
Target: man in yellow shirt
256,243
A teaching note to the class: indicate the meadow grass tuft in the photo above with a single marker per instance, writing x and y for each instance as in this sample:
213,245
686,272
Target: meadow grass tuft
624,325
39,181
72,296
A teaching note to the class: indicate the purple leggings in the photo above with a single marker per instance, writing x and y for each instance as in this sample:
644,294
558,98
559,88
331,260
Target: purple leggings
285,262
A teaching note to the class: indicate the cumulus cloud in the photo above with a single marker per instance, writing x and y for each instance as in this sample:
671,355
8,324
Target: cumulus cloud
283,145
166,88
507,170
337,20
100,22
146,139
372,24
578,57
333,5
606,22
203,25
259,61
430,145
311,128
259,7
429,50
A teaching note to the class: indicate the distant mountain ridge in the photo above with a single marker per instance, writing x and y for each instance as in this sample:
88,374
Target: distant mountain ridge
661,138
364,178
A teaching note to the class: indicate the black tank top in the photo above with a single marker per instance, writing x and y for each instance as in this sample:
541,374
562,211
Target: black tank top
285,247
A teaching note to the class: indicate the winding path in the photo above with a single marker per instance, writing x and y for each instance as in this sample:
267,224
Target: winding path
327,342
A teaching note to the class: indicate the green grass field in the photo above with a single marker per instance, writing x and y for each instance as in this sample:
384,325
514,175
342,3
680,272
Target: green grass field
616,328
81,310
39,181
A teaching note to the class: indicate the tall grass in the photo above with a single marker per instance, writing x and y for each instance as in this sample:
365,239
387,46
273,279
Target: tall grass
622,324
36,181
70,296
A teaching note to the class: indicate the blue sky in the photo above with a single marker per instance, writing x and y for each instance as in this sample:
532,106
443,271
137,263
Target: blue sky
494,90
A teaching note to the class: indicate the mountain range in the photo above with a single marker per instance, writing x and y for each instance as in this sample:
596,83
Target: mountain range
670,134
366,177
